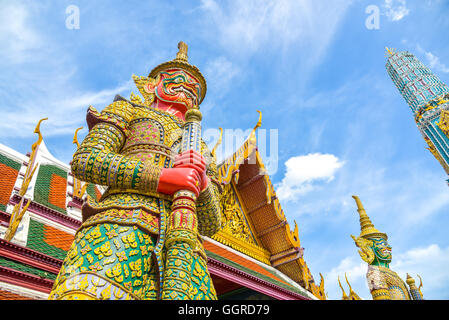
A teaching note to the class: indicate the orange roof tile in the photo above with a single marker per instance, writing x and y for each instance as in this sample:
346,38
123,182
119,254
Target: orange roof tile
58,238
8,177
58,189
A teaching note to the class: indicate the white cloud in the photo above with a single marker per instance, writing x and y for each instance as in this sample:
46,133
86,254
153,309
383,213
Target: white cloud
220,72
39,74
65,111
396,9
303,171
355,270
435,63
16,35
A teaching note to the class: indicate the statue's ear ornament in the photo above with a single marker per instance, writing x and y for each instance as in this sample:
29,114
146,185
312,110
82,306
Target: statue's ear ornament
146,87
366,252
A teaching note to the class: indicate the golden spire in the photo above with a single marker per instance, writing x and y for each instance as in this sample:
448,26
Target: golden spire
322,286
344,297
19,209
182,53
420,284
410,281
367,227
252,136
352,294
78,190
75,137
390,51
214,150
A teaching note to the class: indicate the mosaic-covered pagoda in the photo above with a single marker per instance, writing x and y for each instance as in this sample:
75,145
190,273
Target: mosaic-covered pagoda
428,99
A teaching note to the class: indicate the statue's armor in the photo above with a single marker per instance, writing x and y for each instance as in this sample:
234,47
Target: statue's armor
118,252
385,284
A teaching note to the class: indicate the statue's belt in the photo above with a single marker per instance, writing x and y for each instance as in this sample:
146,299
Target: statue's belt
159,195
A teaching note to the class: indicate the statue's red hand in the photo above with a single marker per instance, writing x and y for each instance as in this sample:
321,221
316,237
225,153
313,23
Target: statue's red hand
175,179
195,160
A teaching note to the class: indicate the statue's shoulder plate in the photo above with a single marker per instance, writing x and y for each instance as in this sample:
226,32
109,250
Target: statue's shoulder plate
118,113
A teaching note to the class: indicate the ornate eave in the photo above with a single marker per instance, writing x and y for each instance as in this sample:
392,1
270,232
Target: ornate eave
29,257
443,124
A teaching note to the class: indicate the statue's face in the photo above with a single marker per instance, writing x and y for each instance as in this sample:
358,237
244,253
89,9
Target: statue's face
178,88
382,250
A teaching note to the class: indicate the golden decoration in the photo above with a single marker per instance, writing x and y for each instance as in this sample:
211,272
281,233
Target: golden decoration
443,124
19,210
135,98
75,137
321,288
420,285
390,51
193,115
146,87
293,235
214,150
436,154
78,189
352,294
365,252
252,136
344,295
232,219
367,227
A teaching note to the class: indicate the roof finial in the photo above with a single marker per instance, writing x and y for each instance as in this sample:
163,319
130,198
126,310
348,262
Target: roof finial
75,137
390,51
344,297
214,150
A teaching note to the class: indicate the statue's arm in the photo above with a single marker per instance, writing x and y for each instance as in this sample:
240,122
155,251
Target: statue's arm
97,160
380,294
208,203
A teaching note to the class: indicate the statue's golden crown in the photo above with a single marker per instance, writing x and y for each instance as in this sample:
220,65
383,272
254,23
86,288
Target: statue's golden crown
367,229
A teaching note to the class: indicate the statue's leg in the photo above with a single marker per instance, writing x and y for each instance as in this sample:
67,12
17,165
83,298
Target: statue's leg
202,287
106,261
189,268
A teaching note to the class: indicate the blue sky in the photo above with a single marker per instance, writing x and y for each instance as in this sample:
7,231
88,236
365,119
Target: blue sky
312,67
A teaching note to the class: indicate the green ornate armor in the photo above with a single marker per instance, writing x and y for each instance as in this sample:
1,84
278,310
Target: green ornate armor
119,251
